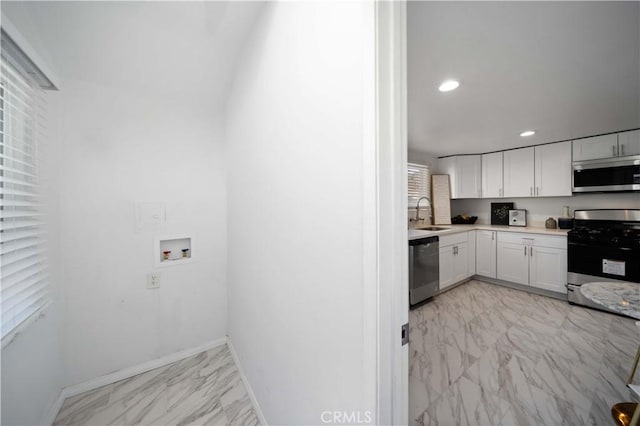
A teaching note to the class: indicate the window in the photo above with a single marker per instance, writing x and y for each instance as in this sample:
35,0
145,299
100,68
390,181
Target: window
23,270
419,183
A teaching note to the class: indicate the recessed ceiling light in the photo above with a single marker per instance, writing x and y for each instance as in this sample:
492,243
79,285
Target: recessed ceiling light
528,133
448,85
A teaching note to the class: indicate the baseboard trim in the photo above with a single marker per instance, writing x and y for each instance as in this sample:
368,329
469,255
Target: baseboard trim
527,288
54,408
125,373
247,385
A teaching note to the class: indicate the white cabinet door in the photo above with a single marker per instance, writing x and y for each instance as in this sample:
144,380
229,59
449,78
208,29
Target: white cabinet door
469,176
629,143
548,268
519,172
460,262
492,175
446,267
471,239
553,170
447,166
513,262
486,253
464,175
604,146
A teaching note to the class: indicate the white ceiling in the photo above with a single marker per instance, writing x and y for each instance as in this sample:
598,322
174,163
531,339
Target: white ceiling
565,69
183,50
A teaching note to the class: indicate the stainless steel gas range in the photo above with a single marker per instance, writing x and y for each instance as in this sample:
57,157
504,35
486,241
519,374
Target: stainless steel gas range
604,245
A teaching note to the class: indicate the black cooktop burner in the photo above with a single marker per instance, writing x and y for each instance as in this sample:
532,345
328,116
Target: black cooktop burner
599,230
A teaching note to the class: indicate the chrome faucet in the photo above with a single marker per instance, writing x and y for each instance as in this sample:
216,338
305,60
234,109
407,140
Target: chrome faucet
418,218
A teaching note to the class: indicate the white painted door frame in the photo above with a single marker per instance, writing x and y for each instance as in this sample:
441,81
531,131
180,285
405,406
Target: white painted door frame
392,252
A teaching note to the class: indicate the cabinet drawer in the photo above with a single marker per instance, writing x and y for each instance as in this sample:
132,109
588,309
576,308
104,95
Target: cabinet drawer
550,241
448,240
536,240
514,237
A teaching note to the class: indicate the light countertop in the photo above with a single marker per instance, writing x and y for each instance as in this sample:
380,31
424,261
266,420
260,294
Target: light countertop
623,298
455,229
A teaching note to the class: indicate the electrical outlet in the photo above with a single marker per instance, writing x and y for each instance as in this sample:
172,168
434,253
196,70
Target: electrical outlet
153,280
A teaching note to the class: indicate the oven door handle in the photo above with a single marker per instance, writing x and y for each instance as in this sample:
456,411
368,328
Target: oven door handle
599,246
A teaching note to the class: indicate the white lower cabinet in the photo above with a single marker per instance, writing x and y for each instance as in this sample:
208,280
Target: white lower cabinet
548,268
454,259
471,244
486,253
513,262
446,267
536,260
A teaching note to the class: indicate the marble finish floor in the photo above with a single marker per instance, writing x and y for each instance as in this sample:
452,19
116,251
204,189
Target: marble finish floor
482,354
205,389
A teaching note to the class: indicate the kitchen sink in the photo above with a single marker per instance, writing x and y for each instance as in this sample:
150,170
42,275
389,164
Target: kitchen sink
432,228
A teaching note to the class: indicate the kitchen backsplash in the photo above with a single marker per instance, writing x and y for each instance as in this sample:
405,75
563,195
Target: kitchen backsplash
539,209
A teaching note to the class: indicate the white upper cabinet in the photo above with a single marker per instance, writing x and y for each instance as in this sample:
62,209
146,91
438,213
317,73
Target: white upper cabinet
465,175
553,170
541,171
470,176
629,143
519,172
492,175
605,146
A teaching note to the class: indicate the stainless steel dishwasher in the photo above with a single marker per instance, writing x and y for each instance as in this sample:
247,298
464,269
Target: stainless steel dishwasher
424,269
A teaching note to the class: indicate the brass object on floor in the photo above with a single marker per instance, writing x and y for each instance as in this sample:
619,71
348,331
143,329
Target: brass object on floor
626,413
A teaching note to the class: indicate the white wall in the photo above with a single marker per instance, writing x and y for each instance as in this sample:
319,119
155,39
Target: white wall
295,190
539,209
423,158
119,148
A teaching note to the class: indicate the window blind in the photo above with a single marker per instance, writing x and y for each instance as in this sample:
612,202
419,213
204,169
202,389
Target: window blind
419,183
23,269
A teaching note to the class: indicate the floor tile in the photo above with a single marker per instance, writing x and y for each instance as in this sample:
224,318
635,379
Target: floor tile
485,354
203,389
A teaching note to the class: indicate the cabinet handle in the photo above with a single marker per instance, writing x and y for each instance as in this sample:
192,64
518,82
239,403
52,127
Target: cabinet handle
531,190
492,235
621,149
525,250
531,251
613,150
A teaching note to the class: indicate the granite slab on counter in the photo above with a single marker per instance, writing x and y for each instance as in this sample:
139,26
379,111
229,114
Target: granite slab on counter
455,229
623,298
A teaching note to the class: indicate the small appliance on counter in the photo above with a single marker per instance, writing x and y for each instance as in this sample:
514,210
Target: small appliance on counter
550,223
565,221
517,217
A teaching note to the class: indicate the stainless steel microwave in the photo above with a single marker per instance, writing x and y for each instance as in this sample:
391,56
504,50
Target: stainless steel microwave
610,174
